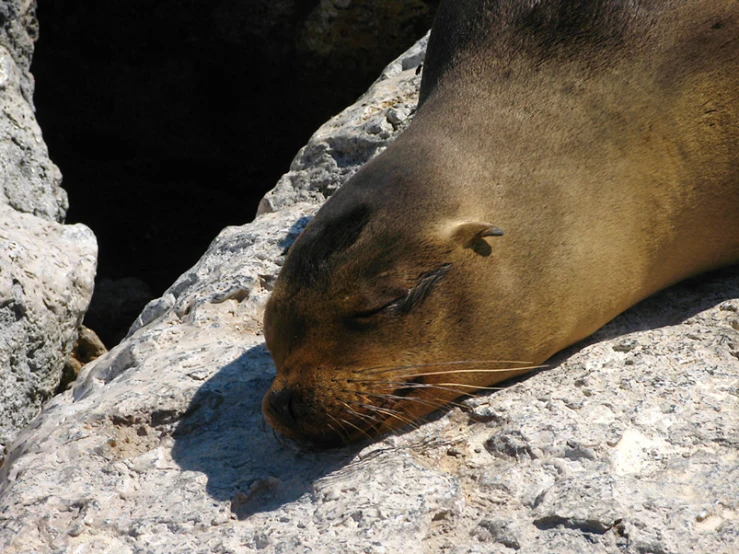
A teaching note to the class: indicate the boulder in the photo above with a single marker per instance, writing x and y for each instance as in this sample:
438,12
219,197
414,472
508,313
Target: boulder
626,443
29,181
46,268
47,272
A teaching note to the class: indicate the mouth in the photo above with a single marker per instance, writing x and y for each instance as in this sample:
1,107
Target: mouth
289,414
361,404
298,417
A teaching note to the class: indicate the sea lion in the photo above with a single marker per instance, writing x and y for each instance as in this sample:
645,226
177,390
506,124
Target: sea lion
568,158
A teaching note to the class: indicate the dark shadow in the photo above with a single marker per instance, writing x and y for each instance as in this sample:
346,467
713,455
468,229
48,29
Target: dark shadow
223,435
293,233
186,113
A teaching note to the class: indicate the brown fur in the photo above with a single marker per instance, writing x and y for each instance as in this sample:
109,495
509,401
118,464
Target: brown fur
604,142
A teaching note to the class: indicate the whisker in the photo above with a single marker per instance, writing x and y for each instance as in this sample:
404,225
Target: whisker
282,441
430,402
359,414
372,407
384,368
388,412
386,396
377,424
410,384
362,431
342,434
433,403
334,429
452,371
456,371
378,418
365,433
476,387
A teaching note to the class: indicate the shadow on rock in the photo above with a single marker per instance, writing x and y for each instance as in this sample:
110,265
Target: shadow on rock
223,435
293,233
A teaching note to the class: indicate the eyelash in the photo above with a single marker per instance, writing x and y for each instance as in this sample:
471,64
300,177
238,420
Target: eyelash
394,305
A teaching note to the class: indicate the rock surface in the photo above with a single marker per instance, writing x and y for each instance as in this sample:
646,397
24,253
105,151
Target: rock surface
29,181
47,272
626,444
46,268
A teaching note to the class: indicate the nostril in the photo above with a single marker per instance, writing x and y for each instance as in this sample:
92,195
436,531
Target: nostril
282,404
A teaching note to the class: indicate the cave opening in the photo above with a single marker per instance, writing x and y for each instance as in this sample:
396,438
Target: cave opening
170,120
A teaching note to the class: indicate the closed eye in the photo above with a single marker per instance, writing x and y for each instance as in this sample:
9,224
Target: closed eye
388,307
411,298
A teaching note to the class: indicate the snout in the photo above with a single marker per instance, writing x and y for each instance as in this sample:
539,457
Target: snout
290,412
297,415
278,407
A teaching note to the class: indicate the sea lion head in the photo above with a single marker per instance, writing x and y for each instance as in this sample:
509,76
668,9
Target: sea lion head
368,302
583,129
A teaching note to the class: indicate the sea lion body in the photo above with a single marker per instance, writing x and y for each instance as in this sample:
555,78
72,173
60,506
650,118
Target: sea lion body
602,137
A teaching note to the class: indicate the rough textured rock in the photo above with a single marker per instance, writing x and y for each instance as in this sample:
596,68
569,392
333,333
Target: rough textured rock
30,182
626,445
18,31
47,272
46,268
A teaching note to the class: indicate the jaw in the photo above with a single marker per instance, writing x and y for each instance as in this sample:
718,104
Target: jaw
362,404
323,433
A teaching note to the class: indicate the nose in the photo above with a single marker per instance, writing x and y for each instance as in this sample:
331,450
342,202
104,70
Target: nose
281,404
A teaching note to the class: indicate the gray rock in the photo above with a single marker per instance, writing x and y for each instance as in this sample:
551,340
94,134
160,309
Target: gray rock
625,444
18,32
47,272
46,268
30,181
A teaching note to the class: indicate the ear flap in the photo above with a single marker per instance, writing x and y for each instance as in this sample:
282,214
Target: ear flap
470,235
471,232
